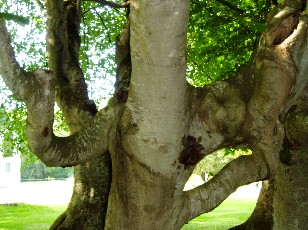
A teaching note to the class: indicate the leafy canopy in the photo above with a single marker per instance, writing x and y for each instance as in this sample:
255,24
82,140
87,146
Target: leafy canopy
222,37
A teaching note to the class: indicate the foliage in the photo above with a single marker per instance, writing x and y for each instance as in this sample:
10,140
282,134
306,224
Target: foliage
221,37
34,171
100,28
27,40
213,163
37,170
12,129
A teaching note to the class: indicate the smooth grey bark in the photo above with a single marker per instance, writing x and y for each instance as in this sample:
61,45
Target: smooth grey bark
291,181
290,197
273,73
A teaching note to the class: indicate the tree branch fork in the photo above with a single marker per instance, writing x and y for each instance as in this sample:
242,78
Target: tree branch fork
37,90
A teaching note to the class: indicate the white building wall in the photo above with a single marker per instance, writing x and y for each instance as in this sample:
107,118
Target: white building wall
10,170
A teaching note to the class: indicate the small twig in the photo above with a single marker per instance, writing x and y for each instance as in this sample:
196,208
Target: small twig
231,6
102,20
41,5
89,9
196,64
111,4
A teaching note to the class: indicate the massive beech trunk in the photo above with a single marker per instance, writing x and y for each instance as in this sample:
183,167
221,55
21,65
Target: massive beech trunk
291,191
158,130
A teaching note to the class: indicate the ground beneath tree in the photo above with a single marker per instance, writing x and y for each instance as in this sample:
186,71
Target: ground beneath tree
58,192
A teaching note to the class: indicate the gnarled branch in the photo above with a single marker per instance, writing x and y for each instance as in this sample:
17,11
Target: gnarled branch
37,90
248,110
75,149
217,115
14,76
206,197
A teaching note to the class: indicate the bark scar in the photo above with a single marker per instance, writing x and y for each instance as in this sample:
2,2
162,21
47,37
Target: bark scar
45,131
192,151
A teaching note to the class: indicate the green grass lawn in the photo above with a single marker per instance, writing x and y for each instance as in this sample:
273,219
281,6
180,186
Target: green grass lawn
229,214
24,216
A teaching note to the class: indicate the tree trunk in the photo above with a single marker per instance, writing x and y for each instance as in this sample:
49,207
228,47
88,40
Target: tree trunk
88,206
147,174
291,192
139,198
291,182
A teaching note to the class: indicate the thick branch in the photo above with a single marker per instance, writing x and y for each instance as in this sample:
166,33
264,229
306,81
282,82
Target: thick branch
63,51
283,11
299,51
82,146
278,71
249,108
217,115
13,75
156,100
111,4
209,195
